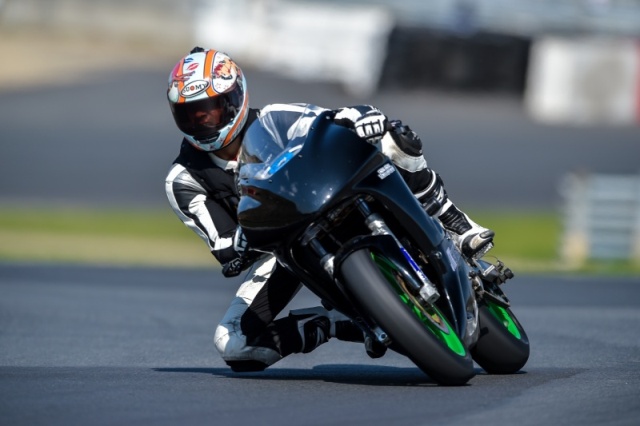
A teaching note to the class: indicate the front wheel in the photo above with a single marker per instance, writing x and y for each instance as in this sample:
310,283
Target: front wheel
503,345
423,334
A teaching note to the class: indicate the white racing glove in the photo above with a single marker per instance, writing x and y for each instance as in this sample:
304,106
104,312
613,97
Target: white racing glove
371,126
368,122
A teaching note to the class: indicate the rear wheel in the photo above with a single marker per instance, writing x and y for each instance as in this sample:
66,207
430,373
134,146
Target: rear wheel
503,345
423,334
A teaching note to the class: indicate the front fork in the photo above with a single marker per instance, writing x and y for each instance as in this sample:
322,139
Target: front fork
422,289
427,291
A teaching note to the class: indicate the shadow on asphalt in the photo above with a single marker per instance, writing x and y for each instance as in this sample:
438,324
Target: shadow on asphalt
335,373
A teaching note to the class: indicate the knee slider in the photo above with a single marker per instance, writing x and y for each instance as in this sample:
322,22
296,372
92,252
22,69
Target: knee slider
232,346
228,341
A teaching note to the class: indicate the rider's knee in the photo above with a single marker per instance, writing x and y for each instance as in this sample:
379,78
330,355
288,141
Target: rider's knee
233,348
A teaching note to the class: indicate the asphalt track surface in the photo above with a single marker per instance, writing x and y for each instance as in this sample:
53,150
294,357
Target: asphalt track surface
134,346
109,141
107,346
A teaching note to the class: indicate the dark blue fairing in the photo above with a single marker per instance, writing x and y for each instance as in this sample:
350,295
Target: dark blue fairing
329,159
287,185
330,164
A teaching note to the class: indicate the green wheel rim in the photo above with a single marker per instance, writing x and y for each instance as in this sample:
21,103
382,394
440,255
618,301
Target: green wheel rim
505,318
431,317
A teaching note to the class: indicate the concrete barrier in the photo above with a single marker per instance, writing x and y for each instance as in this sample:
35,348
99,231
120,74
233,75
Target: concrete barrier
584,80
340,43
344,44
363,48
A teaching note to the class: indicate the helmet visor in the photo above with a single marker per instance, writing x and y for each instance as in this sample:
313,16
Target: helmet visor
203,119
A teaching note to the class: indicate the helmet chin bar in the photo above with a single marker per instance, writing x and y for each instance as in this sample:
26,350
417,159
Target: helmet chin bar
212,143
210,139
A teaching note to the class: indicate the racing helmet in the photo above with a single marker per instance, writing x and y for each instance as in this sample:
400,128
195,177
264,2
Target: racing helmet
208,98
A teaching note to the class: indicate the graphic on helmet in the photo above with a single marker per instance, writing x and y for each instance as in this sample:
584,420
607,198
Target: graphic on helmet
208,98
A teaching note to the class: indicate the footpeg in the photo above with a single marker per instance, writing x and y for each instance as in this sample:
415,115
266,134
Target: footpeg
484,250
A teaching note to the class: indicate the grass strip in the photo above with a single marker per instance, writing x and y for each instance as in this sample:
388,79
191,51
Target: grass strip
527,241
106,237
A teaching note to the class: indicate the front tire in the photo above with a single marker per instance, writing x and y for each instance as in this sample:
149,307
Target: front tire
426,337
503,345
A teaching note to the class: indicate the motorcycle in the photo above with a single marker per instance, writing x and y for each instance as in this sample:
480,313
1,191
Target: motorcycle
336,213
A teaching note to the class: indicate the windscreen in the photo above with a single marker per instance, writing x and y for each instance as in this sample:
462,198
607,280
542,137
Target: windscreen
273,139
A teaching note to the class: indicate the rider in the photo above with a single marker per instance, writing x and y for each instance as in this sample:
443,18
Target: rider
209,101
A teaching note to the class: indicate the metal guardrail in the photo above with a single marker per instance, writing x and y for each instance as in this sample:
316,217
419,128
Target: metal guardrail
601,217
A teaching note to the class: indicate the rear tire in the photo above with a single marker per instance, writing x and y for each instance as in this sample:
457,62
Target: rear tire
380,299
503,345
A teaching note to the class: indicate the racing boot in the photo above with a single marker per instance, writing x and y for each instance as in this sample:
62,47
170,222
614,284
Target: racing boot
301,331
317,325
343,328
473,240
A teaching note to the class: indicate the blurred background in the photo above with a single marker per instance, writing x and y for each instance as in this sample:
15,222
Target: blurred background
528,109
